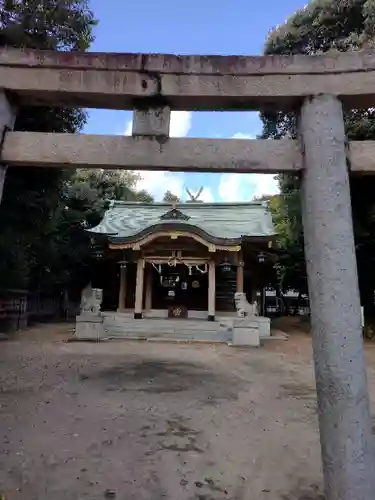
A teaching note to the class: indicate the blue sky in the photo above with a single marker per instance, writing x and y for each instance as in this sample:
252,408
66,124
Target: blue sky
197,27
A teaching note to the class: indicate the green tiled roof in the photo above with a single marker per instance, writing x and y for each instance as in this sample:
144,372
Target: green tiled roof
230,221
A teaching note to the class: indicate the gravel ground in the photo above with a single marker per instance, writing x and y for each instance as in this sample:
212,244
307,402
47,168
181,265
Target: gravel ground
137,420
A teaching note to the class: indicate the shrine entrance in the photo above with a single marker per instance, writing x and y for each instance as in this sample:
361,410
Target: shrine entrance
177,287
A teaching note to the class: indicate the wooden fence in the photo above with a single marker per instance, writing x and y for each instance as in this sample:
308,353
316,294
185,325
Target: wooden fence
20,308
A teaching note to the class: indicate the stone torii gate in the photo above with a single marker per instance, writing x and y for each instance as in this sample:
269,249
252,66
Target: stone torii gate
317,87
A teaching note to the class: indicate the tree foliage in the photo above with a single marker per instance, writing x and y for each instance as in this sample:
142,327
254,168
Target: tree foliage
46,24
323,26
84,199
112,184
169,196
32,195
44,211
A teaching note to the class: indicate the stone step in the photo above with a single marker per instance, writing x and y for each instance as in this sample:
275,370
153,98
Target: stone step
164,325
177,332
171,335
120,326
190,328
162,329
181,332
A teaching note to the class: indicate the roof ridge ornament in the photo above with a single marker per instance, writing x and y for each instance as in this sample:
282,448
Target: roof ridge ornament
194,198
174,214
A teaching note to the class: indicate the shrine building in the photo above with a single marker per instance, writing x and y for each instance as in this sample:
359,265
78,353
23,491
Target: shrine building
182,260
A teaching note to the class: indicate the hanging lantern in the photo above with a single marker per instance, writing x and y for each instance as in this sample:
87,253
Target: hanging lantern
225,266
96,248
98,254
261,258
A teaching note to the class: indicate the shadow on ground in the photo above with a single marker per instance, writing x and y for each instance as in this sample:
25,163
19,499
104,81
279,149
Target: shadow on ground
161,376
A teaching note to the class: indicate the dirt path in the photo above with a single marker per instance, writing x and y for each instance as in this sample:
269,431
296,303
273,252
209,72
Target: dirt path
157,421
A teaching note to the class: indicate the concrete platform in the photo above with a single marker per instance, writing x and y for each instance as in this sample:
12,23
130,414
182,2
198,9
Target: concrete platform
154,326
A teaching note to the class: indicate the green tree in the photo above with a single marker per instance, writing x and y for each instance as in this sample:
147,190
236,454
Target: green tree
85,197
113,184
46,24
286,216
322,26
32,195
170,197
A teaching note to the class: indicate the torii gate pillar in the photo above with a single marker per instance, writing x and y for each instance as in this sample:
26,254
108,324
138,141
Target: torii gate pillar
343,403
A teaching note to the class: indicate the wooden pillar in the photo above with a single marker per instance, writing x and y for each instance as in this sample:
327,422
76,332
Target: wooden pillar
122,291
148,298
139,289
240,274
7,119
211,290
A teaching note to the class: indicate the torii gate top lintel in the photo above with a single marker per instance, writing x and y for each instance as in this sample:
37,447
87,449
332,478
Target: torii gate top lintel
118,81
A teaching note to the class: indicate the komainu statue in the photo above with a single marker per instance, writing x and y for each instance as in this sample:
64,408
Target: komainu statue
244,308
91,301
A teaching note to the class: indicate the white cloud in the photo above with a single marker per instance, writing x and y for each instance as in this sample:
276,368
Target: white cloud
206,195
180,123
240,135
158,182
245,187
265,184
128,128
229,187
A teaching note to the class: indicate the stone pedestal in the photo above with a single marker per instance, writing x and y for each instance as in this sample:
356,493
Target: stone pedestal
264,325
245,333
89,327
